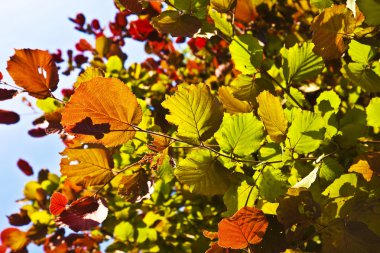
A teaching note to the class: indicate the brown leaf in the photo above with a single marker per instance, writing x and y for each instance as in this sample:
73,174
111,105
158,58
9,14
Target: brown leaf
35,71
87,127
19,219
246,226
8,117
25,167
7,94
105,101
331,31
159,143
134,187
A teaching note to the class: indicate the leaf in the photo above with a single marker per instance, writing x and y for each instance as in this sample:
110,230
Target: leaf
366,165
271,183
247,226
19,219
124,231
371,10
203,173
343,186
91,166
300,63
297,206
364,77
360,52
88,128
105,101
331,31
25,167
178,25
7,94
330,169
134,187
307,181
196,112
223,5
349,237
351,4
240,134
232,104
83,214
246,53
221,23
373,109
35,71
88,74
14,239
272,115
306,132
247,88
58,203
239,196
8,117
321,4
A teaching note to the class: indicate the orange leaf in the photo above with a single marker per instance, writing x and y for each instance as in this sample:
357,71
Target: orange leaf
14,238
366,164
246,226
35,71
107,102
331,31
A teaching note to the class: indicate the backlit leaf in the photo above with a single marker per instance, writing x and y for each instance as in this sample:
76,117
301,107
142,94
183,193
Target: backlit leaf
223,5
91,166
343,186
35,71
373,115
360,52
240,134
331,31
271,182
371,10
246,53
300,63
134,187
367,165
8,117
203,173
272,115
104,101
178,25
321,4
238,196
14,238
306,132
364,77
196,112
247,226
232,104
58,203
221,23
88,74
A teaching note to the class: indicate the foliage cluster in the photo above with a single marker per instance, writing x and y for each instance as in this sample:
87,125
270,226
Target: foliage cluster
262,135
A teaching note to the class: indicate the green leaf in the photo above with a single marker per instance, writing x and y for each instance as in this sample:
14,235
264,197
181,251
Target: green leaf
203,173
300,63
48,105
240,134
221,23
298,95
271,183
373,115
306,132
124,231
91,166
360,53
114,64
246,53
343,186
197,8
165,170
363,76
178,25
223,5
353,125
371,10
321,4
197,113
238,196
272,115
330,169
328,104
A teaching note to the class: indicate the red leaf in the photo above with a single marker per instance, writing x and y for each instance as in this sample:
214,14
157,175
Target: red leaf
140,29
83,214
1,76
3,249
25,167
7,94
37,132
83,45
14,238
58,203
8,117
246,226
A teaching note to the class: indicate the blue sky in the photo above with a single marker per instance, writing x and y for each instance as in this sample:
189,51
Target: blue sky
41,24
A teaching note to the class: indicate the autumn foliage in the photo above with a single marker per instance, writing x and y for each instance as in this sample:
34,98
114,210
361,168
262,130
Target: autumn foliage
252,126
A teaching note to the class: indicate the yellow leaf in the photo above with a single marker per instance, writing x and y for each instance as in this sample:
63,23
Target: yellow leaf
88,74
92,166
272,115
366,164
232,104
102,110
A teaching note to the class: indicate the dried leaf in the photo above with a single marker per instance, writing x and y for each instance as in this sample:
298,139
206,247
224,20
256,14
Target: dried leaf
247,226
35,71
